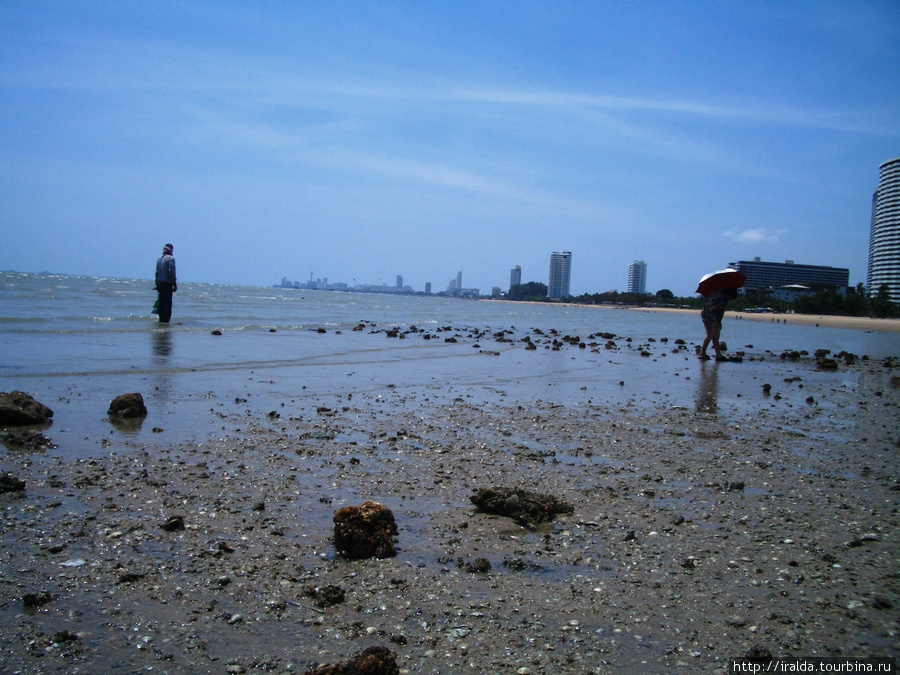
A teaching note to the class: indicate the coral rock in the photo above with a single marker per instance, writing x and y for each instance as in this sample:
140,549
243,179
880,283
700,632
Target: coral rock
18,409
127,406
365,531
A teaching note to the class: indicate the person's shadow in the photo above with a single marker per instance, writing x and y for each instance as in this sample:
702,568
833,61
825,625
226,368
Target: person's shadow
708,391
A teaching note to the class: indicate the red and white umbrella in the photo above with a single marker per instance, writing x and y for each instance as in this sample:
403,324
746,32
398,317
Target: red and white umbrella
719,281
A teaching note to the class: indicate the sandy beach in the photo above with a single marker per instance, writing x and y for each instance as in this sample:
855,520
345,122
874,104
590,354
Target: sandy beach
862,323
848,322
699,532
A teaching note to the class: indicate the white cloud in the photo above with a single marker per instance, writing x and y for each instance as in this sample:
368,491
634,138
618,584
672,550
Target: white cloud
755,236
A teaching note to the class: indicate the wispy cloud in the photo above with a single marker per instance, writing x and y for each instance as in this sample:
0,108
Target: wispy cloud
755,236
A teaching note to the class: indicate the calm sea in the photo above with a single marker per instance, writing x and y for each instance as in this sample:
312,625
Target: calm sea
76,342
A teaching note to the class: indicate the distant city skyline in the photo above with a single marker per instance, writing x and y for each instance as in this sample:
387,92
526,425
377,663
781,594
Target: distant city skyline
760,275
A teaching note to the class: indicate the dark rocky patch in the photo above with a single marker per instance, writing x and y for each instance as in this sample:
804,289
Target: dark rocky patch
325,596
28,439
478,566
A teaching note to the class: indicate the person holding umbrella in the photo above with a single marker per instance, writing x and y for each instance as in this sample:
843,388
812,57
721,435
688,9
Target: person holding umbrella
712,314
718,288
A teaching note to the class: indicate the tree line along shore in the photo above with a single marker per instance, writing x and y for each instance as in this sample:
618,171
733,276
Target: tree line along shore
856,302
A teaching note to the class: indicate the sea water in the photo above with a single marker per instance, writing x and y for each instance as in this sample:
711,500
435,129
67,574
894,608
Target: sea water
77,342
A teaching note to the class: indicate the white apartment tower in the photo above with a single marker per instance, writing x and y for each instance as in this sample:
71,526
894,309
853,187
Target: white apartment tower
884,236
637,277
560,271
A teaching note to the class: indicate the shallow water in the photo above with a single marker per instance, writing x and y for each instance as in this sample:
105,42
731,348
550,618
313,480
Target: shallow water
77,342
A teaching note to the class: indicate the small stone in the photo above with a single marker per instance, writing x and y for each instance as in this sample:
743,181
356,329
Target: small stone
33,600
10,483
881,602
173,524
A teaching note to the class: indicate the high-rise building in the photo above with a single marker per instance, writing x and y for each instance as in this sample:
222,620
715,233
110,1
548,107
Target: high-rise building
399,282
637,277
560,271
773,275
884,236
515,276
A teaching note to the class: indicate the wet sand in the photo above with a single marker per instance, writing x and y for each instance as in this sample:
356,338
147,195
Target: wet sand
701,530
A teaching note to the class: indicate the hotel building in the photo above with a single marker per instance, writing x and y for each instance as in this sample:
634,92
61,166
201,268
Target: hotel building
772,275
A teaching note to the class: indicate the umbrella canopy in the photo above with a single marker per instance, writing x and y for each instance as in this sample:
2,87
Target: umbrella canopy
719,281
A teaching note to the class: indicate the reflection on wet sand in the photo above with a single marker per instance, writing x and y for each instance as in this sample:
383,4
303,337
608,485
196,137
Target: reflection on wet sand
162,343
162,348
708,390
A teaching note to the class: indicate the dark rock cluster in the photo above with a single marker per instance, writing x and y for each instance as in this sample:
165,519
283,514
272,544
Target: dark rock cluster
525,507
370,661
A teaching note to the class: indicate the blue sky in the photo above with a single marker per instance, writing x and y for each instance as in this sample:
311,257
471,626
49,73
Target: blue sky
361,140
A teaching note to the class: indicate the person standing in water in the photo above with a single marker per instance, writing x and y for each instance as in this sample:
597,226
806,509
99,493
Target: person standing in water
712,313
166,283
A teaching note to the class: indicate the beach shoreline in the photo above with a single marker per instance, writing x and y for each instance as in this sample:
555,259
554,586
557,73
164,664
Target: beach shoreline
862,323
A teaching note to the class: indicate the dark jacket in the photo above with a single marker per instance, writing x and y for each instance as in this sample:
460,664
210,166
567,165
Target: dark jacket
165,270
